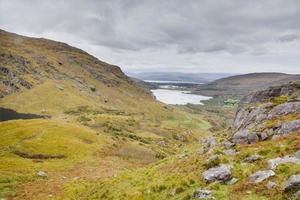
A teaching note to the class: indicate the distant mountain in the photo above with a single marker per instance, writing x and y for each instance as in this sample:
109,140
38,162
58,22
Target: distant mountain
240,85
179,76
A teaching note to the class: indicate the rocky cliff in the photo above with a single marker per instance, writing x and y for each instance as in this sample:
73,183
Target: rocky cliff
268,113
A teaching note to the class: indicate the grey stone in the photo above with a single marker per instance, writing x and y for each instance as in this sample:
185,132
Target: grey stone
284,109
228,145
297,154
289,127
230,152
221,173
162,143
263,136
260,176
211,142
42,174
297,195
271,185
202,194
181,137
273,163
252,158
292,183
244,136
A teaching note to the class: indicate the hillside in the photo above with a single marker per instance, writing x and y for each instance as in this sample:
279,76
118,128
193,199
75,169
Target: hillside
179,76
67,115
240,85
220,166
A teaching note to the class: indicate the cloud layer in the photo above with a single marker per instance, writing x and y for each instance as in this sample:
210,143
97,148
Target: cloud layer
202,36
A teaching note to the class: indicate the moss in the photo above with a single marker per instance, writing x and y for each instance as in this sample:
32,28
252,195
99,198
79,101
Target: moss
279,100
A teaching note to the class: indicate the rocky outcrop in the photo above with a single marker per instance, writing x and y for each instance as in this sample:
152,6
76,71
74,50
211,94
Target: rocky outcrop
273,163
260,176
221,173
292,183
274,111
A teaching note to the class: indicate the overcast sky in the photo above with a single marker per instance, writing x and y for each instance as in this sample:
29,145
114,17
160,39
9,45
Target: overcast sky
232,36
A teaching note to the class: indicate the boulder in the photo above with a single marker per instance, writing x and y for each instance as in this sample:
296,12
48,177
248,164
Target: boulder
260,176
284,109
292,183
273,163
221,173
252,158
42,174
202,194
244,136
289,127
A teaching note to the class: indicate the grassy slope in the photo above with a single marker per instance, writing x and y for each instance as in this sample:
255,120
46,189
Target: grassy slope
175,178
115,127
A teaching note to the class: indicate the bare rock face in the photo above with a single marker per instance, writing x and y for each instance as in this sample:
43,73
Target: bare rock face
289,127
221,173
260,176
255,115
292,183
244,136
284,109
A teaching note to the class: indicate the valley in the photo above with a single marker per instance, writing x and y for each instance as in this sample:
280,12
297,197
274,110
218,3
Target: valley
75,127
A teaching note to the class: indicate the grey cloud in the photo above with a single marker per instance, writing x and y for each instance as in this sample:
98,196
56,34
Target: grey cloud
189,27
289,38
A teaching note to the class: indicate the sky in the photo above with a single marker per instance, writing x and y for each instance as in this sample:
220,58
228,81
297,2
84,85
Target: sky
232,36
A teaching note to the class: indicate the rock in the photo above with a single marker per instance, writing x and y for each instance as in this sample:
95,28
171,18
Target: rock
181,137
230,152
228,145
284,109
292,183
221,173
252,158
297,154
260,176
297,195
42,174
244,136
263,136
232,181
211,142
271,185
288,127
162,143
202,194
273,163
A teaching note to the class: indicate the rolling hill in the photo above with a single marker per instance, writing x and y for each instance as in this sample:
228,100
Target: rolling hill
241,85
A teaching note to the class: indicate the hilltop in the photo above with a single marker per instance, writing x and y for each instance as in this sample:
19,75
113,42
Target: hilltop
240,85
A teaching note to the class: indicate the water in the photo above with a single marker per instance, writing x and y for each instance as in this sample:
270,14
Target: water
178,97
